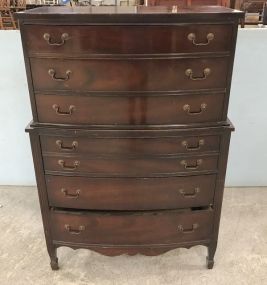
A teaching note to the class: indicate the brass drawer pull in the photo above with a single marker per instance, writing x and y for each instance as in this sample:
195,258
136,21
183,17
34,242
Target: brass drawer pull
190,195
192,38
187,109
62,163
74,231
52,73
73,146
189,231
200,143
71,196
64,38
64,113
192,167
206,73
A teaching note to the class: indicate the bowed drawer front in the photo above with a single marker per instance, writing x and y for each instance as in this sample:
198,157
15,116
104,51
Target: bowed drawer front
130,110
130,193
136,74
156,228
136,167
130,134
87,40
122,146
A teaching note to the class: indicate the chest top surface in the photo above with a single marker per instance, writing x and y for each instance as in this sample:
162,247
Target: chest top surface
141,14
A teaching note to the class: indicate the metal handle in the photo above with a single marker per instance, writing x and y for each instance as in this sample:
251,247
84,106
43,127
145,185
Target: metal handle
71,196
64,38
188,231
73,146
62,163
52,73
74,231
206,73
190,195
64,113
200,143
187,109
192,38
192,167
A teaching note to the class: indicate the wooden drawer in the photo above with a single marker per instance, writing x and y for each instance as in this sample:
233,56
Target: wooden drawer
132,228
137,74
136,167
130,110
130,146
130,193
127,40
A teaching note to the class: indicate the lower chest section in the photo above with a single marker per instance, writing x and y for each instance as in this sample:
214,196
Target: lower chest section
132,188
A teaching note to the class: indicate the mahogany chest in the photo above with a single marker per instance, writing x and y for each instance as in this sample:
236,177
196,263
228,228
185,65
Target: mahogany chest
130,134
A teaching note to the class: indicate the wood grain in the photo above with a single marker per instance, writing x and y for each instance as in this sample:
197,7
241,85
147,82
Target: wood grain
132,228
125,40
139,74
130,193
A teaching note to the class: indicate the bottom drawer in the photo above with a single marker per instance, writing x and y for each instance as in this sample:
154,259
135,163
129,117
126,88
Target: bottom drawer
131,228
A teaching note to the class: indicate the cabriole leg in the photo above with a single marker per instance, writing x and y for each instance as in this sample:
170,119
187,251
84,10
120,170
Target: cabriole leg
53,258
211,252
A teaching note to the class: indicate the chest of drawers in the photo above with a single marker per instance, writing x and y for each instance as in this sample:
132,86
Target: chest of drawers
130,134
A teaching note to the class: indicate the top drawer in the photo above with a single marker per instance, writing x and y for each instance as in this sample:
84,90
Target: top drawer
131,39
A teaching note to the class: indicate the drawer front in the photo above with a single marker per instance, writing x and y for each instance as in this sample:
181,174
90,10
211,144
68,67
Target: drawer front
129,74
130,110
136,167
130,193
132,228
127,39
130,146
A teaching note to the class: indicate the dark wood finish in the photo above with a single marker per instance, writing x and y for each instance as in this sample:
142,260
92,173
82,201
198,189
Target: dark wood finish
138,74
139,228
131,110
130,14
130,151
131,193
88,40
43,199
131,167
130,146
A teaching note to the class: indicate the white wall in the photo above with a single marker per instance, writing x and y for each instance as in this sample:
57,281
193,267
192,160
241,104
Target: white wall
248,111
16,165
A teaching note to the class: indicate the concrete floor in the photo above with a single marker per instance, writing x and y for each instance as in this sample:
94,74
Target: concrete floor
241,257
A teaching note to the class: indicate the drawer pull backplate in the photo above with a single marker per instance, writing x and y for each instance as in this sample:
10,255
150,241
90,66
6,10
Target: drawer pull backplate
188,147
71,196
187,109
64,38
190,195
188,231
62,163
74,231
206,72
64,113
191,167
192,38
73,146
52,73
